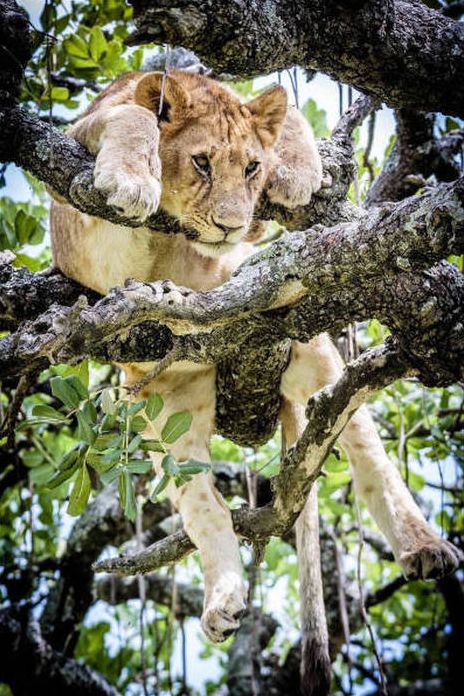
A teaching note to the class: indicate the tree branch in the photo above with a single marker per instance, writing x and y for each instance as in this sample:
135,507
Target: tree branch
414,45
29,663
315,267
416,155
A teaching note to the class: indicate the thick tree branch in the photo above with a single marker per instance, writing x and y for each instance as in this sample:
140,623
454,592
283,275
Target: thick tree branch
29,663
324,269
414,45
67,168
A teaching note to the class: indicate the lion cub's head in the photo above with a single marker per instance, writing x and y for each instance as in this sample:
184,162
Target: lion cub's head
215,153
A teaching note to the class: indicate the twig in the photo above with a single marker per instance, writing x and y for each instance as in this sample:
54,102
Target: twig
9,424
160,367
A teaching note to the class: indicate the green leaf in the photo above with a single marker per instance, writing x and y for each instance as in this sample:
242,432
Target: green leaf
77,384
67,468
316,117
82,372
32,458
44,411
130,508
176,425
85,430
41,474
134,443
80,493
127,495
193,467
154,406
59,94
76,46
151,446
138,424
106,441
97,43
159,488
334,481
112,455
90,412
169,465
181,479
135,408
25,226
108,422
65,392
334,465
139,466
96,462
109,476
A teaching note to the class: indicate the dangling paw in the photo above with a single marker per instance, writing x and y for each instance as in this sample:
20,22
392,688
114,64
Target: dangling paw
224,607
433,558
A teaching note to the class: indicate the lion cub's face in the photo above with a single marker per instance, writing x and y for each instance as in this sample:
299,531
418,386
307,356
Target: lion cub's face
215,154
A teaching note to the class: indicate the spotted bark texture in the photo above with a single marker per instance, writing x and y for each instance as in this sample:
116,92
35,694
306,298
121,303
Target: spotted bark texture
398,50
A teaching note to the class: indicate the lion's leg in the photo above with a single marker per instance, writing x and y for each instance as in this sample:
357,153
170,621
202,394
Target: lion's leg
125,139
206,517
417,548
207,521
297,170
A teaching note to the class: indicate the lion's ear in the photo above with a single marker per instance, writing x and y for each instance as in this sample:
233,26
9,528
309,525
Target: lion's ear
269,111
176,99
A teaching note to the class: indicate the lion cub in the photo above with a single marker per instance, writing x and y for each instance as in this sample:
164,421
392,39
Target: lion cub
205,157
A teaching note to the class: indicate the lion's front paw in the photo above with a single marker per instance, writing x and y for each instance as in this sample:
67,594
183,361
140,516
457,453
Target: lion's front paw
136,195
224,608
431,559
293,187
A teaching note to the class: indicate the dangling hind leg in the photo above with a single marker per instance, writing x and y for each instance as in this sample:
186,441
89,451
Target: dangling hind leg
419,551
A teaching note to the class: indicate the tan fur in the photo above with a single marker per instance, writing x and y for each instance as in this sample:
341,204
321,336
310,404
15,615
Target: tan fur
144,160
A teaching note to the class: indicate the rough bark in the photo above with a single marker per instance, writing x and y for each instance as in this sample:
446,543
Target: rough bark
351,271
417,61
30,665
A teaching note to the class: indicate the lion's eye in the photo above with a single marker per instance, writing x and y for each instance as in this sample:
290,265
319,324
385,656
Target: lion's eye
251,169
201,164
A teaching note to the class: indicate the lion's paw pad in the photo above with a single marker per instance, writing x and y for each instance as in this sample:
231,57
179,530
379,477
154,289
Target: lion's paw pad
434,559
221,617
136,196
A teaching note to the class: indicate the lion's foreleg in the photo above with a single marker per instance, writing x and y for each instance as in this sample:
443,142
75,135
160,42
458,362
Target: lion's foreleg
206,517
125,139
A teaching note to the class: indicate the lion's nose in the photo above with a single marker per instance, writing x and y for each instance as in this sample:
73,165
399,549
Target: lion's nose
227,229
